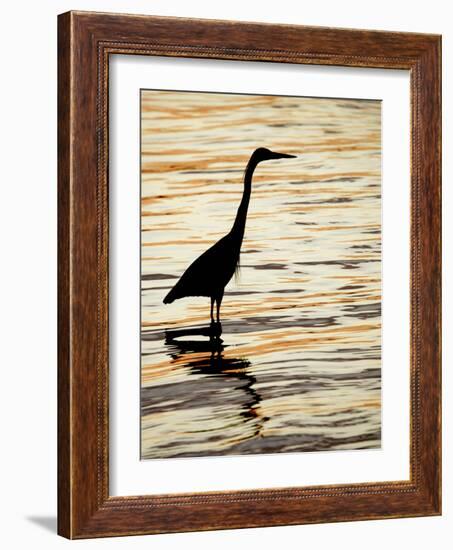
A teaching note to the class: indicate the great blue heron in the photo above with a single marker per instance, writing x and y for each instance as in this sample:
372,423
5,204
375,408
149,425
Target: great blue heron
209,274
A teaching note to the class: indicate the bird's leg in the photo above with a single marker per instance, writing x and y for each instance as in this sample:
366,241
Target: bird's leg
219,301
212,311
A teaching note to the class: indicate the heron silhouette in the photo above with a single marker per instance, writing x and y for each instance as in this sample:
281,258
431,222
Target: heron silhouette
209,274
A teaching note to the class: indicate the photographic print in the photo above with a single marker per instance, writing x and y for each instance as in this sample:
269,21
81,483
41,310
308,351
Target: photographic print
260,274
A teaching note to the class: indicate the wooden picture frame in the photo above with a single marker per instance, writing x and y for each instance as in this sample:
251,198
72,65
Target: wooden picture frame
85,42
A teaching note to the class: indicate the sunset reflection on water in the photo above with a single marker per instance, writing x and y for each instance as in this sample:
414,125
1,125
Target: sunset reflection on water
299,364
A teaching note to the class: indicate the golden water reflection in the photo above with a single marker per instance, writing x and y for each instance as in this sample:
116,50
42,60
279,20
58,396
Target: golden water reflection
299,364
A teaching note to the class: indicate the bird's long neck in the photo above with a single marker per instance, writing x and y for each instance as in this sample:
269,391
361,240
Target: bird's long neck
241,216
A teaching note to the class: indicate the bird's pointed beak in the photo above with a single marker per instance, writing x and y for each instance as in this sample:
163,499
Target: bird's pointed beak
282,156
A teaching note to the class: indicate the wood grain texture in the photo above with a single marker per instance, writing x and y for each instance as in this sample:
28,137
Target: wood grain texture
64,390
85,42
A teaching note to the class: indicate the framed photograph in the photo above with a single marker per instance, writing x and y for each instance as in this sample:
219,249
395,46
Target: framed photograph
249,275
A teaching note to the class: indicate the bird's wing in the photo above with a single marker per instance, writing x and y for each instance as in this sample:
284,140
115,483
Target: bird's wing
211,261
209,273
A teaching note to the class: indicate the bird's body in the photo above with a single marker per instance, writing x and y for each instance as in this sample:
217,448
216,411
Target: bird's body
209,274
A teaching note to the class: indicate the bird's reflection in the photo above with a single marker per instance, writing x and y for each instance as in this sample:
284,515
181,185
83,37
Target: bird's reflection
206,357
213,332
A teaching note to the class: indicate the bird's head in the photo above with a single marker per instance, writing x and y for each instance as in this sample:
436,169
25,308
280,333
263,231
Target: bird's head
262,154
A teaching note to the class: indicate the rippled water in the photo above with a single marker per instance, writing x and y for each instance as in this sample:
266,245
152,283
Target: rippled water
299,368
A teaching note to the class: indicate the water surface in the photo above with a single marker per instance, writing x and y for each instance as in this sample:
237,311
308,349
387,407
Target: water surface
299,368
